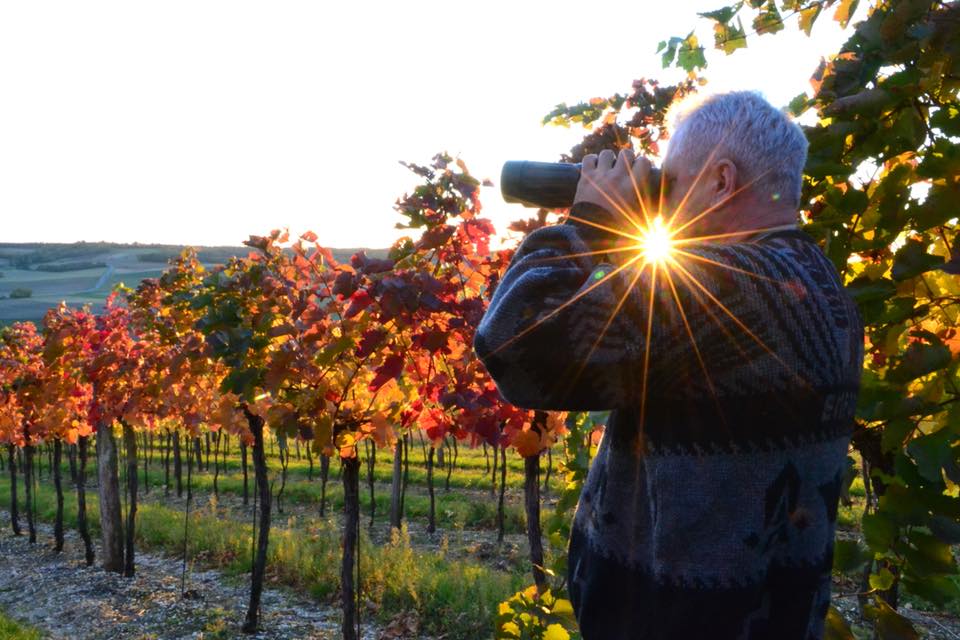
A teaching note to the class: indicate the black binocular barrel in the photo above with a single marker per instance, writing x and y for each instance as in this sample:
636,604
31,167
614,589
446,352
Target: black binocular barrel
551,185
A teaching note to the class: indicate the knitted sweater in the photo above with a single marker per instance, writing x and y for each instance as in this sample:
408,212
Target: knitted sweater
715,517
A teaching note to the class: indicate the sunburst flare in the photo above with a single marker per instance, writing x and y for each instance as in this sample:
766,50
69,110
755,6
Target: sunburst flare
661,244
656,242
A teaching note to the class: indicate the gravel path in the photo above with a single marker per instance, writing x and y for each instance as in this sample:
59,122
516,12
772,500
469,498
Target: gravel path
65,599
102,280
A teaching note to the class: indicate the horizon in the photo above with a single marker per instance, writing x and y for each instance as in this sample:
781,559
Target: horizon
155,245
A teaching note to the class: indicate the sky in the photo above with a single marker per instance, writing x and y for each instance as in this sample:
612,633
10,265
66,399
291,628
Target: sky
205,121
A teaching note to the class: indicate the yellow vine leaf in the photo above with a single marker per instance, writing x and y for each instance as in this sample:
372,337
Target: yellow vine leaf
556,632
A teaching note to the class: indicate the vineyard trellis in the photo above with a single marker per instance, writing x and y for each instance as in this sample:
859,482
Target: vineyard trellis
344,357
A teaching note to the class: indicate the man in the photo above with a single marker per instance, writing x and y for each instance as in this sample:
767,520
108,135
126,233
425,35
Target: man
731,367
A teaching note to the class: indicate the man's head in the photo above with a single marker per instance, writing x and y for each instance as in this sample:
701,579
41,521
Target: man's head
749,158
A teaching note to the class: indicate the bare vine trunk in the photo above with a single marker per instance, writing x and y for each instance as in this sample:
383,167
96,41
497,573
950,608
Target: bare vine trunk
432,518
453,461
216,464
72,460
130,442
147,446
28,471
243,466
252,621
406,473
58,485
531,501
284,463
351,524
446,486
371,463
14,512
310,462
324,476
396,515
111,523
495,465
207,438
82,499
166,463
177,463
503,486
546,476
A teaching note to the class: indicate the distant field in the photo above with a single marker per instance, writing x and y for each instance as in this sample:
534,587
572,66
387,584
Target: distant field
86,272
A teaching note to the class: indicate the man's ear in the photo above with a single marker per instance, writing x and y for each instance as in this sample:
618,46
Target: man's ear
724,180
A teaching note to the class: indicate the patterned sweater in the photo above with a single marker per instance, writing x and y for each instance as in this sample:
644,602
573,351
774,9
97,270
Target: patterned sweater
715,517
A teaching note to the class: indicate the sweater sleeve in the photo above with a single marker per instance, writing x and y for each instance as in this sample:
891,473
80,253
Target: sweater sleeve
568,331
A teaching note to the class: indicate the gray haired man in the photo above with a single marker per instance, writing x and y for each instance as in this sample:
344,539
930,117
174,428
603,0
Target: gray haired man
731,367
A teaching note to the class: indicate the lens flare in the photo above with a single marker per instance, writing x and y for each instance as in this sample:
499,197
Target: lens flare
656,242
649,246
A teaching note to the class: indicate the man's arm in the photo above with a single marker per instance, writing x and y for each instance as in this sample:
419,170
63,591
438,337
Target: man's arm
547,308
569,330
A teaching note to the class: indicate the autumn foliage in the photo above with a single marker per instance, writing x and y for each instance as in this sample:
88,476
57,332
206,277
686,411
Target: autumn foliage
336,355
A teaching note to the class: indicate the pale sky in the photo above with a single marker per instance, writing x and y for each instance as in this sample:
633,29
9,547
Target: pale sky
201,122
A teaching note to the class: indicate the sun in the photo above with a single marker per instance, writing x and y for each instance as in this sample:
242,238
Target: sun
655,247
656,242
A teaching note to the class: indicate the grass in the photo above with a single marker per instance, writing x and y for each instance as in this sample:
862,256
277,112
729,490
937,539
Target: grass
454,509
12,630
456,596
452,593
469,472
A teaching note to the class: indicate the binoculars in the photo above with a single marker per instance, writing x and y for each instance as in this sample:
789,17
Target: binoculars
552,185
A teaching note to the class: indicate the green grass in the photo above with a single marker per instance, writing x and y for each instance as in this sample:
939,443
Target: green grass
13,630
469,471
398,575
305,554
455,509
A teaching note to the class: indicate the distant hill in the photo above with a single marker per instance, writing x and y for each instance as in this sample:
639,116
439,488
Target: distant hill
36,276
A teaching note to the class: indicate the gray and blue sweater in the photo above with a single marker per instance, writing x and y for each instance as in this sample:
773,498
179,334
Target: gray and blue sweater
714,517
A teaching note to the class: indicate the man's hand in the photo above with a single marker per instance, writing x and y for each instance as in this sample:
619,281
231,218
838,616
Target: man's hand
616,183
